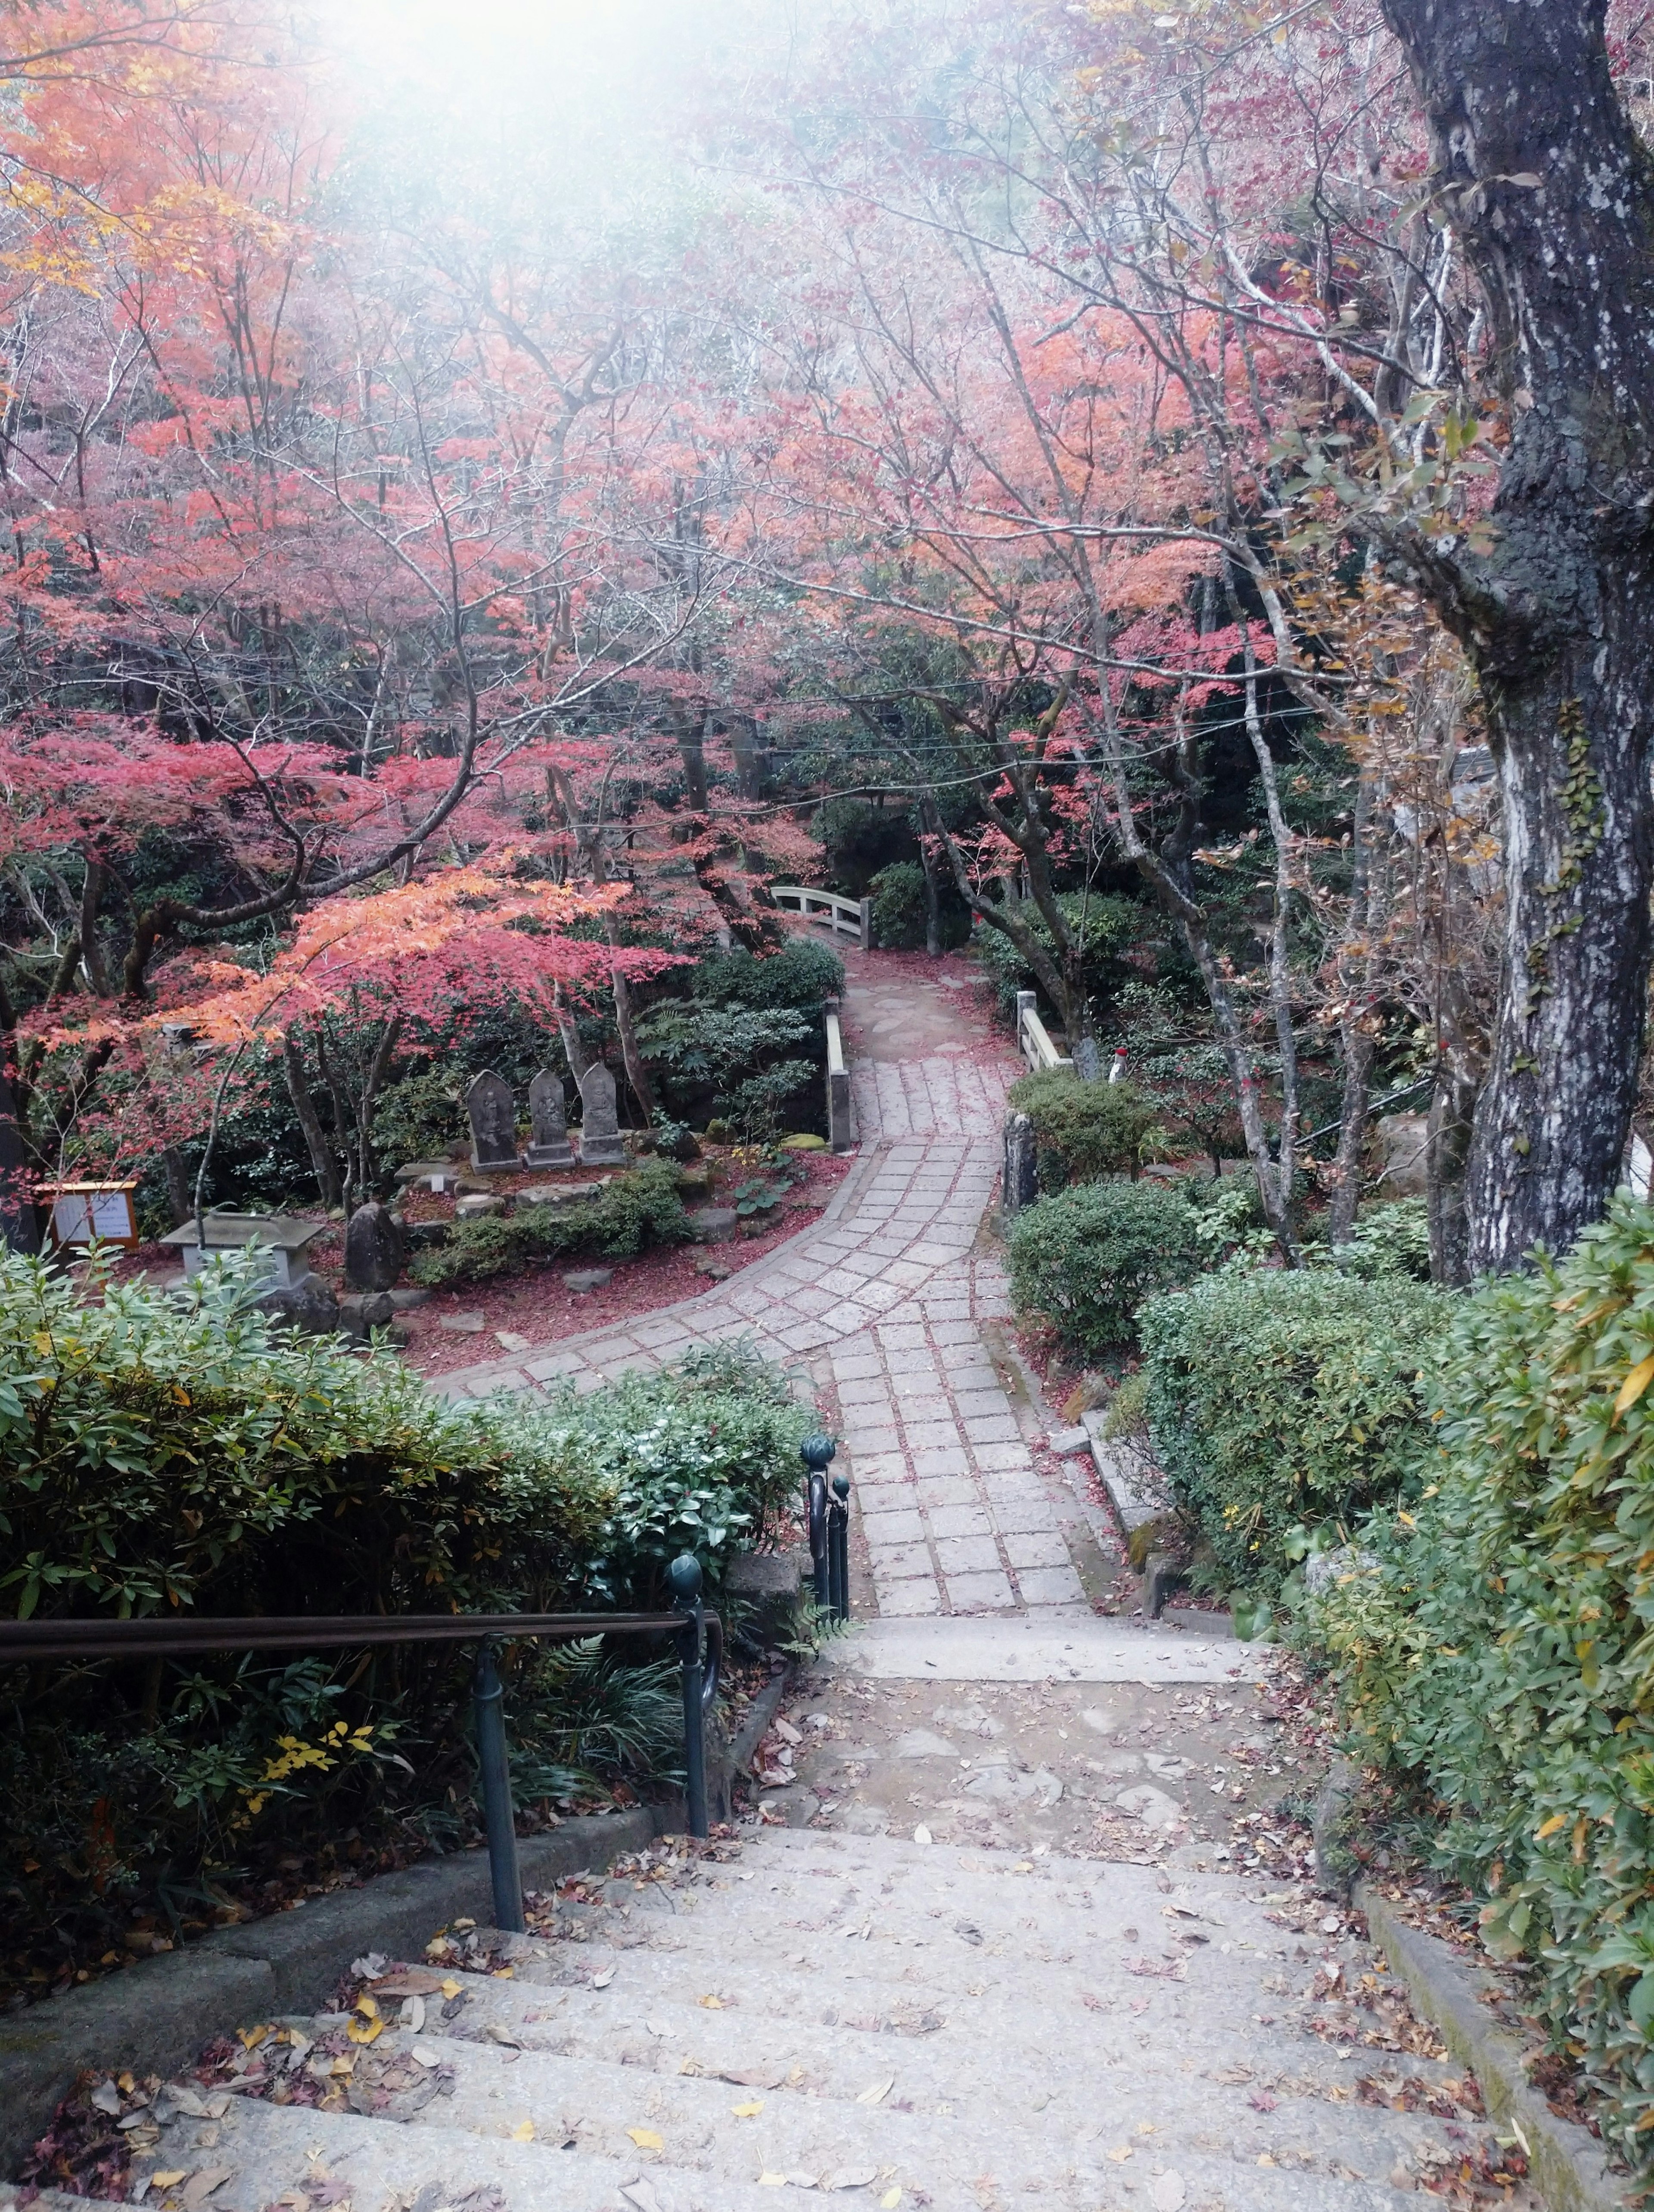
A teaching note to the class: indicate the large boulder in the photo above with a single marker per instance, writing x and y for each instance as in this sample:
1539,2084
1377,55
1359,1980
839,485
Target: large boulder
307,1307
1404,1145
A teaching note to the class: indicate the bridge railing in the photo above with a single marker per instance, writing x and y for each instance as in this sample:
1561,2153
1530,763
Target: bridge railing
845,917
839,1134
1033,1039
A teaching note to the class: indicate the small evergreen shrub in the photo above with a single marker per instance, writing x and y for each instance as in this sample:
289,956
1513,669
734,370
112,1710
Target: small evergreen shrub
1083,1131
803,974
639,1208
901,913
1086,1259
1109,927
898,907
1280,1401
1498,1647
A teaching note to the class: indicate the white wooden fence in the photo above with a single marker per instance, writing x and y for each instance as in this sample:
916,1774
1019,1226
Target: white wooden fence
845,917
1033,1039
839,1133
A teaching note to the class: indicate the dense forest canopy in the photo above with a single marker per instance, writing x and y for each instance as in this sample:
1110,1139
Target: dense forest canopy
483,499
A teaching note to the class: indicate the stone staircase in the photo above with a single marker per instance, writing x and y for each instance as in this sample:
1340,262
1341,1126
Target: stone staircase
904,2024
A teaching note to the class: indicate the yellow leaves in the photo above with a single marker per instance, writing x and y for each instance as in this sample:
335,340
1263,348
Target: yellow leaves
750,2111
710,2004
365,2030
1581,1830
1549,1828
890,2200
170,2178
1634,1384
450,1987
646,2139
250,2037
523,2132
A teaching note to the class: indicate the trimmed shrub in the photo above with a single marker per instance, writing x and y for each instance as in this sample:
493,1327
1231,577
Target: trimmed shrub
803,974
639,1208
898,907
1083,1131
1086,1259
1499,1649
1279,1402
900,914
162,1452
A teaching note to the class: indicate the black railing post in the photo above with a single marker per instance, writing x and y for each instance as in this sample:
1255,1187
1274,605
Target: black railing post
838,1547
816,1452
686,1597
494,1764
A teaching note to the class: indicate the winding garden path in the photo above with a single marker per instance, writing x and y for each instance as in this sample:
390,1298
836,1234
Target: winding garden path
888,1303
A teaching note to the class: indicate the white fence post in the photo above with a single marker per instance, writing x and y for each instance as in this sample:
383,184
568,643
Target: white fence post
838,1085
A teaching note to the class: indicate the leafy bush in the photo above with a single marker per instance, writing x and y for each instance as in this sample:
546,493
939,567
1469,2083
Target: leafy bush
1499,1649
167,1451
1083,1131
1087,1258
703,1459
419,1117
1109,926
804,974
898,907
1280,1401
639,1208
901,913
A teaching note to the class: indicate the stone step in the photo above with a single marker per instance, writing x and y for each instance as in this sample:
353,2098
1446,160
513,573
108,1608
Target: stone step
950,2058
881,1980
270,2149
1094,1902
1061,2135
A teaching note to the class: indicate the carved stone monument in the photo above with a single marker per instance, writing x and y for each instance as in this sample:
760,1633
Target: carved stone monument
549,1146
373,1249
599,1128
493,1123
1020,1186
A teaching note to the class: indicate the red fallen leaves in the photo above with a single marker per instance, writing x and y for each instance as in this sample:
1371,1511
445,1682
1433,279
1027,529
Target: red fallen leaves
82,2153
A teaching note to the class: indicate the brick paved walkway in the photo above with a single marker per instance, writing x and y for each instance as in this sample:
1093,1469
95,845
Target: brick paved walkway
883,1300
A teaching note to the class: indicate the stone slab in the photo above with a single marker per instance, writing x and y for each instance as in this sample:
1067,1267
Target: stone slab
1024,1649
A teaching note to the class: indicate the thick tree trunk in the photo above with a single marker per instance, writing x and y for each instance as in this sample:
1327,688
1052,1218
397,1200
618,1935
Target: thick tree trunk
1538,166
321,1153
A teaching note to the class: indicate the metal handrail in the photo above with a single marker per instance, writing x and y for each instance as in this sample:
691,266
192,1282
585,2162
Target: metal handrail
699,1636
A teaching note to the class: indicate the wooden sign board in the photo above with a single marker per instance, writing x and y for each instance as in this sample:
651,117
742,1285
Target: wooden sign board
83,1210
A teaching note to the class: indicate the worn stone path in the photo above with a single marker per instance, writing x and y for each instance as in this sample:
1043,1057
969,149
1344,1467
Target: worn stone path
925,2028
1015,1920
885,1302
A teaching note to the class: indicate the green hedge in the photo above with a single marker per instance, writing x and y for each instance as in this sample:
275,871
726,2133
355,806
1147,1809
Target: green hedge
637,1209
1501,1649
1083,1131
164,1454
1279,1402
1085,1260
